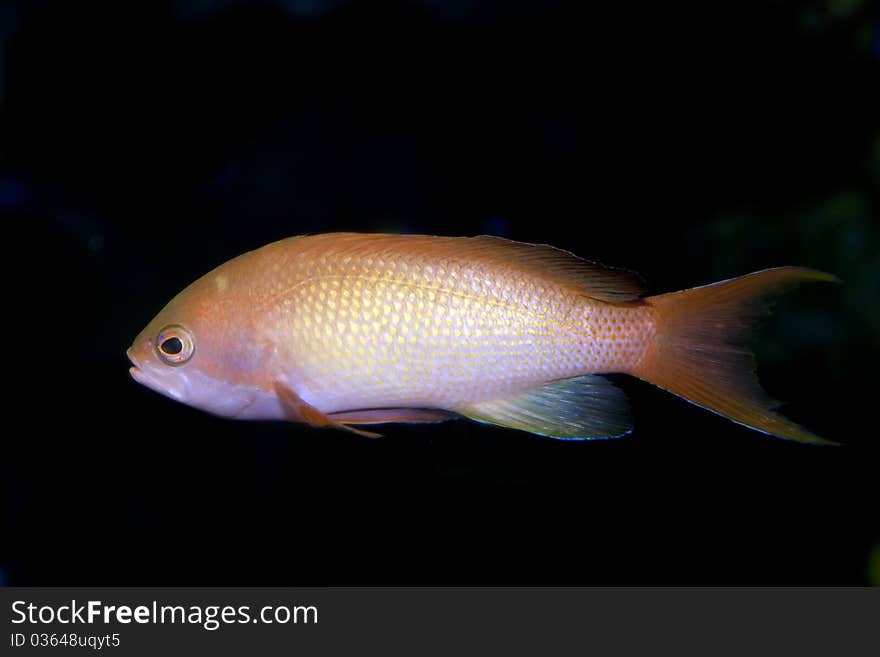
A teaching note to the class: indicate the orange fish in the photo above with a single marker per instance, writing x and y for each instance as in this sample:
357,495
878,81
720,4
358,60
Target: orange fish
348,329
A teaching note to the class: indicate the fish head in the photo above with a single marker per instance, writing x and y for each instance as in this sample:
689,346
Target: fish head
201,350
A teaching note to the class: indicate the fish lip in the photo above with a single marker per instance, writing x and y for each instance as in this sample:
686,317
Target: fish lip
148,377
135,370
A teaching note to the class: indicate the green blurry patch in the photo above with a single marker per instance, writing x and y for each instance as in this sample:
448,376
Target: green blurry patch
827,330
839,234
847,22
845,8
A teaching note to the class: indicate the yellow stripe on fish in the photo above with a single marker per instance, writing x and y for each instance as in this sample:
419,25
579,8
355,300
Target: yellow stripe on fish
347,329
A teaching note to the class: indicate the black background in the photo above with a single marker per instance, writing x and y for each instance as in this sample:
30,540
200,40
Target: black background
143,143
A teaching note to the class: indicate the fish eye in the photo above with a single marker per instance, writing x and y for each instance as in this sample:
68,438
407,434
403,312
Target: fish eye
175,345
172,346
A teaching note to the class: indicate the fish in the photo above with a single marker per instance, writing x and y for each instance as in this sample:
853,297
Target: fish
348,330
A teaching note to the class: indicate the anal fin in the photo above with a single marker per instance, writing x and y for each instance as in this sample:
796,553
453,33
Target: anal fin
581,408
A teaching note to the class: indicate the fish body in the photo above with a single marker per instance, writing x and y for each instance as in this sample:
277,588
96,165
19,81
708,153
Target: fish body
349,329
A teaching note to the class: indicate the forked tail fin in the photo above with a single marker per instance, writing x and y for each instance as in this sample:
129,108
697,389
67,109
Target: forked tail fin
700,351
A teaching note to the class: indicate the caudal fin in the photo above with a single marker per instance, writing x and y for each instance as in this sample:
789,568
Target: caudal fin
700,350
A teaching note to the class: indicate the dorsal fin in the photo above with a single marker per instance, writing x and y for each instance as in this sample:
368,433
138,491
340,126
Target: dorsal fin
586,278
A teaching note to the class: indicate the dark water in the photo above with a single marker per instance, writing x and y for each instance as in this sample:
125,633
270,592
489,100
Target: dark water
141,144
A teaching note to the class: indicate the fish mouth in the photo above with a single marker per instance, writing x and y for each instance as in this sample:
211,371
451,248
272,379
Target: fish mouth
156,379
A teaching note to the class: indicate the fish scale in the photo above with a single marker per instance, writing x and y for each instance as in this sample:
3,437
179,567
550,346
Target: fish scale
391,331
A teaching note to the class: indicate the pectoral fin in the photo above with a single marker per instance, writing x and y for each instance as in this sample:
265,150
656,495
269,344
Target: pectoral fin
299,410
581,408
